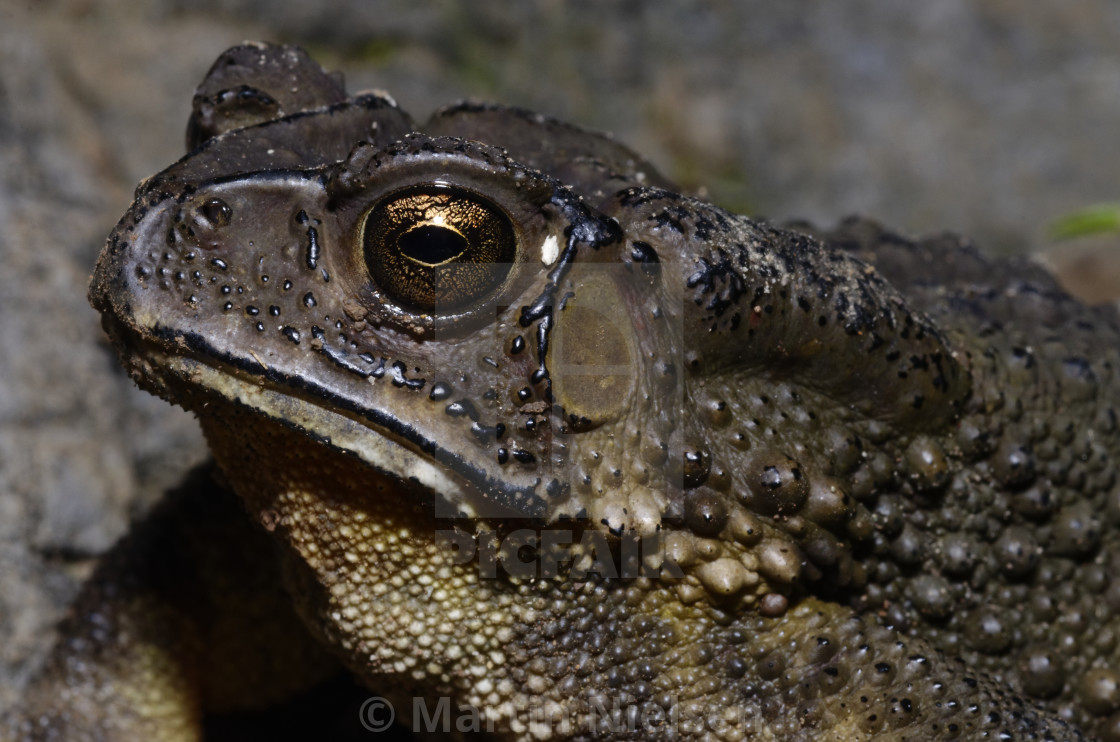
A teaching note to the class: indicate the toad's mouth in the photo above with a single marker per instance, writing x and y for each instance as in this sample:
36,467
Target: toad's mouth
184,369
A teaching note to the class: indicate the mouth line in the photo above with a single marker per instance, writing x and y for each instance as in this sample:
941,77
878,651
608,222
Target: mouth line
375,437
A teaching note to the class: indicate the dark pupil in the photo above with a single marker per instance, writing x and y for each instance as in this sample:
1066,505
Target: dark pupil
431,244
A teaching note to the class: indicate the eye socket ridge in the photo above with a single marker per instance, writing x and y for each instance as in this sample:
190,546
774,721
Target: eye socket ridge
438,248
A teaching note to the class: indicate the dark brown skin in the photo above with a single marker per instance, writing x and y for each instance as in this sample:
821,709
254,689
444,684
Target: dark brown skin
795,477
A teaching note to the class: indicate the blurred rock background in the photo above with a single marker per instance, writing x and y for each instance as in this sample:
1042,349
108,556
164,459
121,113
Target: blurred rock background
985,117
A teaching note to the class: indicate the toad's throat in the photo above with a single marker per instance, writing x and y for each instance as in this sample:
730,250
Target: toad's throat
374,436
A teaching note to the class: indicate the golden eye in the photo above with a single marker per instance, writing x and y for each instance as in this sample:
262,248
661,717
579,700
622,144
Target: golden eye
437,248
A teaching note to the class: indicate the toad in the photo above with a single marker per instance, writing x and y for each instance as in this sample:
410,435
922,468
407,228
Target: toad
520,435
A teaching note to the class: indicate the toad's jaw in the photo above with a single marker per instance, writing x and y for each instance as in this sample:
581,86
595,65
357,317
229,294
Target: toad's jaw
166,366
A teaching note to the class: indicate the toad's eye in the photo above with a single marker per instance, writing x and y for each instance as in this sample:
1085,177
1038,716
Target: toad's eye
437,248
